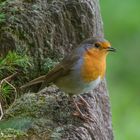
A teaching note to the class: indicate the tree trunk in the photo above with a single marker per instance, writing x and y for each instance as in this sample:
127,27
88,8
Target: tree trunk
46,30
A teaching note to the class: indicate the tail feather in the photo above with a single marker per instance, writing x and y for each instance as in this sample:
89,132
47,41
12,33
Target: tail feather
35,81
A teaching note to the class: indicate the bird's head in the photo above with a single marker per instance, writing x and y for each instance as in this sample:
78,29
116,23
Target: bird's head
97,47
94,52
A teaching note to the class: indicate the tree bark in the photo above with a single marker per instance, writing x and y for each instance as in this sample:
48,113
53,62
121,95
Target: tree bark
50,29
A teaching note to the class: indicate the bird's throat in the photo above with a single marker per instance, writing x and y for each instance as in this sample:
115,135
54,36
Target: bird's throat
93,67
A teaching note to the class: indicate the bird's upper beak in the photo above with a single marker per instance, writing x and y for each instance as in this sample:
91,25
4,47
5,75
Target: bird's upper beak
111,49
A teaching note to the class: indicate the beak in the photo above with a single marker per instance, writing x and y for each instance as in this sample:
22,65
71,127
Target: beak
111,49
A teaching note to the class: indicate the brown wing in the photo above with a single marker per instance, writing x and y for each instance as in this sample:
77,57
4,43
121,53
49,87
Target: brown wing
60,70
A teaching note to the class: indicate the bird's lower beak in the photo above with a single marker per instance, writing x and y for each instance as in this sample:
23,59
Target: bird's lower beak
111,49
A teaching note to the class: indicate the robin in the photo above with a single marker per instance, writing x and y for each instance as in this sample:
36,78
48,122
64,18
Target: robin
81,70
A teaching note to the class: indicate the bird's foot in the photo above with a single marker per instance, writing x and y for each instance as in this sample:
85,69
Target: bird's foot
79,113
84,101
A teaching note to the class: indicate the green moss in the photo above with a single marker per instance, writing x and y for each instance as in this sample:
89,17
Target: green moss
2,3
17,123
12,61
2,18
10,64
57,133
48,64
9,134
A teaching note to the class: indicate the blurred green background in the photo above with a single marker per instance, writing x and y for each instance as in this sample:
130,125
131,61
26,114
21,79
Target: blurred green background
122,27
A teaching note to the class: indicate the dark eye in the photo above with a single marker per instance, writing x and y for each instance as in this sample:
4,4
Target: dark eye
97,45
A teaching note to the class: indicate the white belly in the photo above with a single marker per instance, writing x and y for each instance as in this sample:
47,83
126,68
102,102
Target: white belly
92,85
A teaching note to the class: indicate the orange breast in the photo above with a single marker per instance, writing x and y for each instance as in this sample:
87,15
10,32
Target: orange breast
94,65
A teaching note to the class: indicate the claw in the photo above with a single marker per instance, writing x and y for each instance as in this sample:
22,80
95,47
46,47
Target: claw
84,101
80,114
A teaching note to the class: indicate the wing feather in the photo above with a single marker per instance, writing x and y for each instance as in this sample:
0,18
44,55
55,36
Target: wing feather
60,70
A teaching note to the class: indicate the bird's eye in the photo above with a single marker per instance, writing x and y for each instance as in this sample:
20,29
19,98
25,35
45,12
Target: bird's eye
97,45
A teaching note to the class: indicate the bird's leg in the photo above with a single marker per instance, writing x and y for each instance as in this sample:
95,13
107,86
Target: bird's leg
77,108
84,101
79,112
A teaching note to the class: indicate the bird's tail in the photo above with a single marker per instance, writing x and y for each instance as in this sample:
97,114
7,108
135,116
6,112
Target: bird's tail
35,81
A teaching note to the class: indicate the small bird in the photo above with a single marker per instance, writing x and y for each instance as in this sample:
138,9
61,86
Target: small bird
81,70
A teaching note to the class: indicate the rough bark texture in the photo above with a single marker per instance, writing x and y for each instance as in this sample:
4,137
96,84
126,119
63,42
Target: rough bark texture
49,29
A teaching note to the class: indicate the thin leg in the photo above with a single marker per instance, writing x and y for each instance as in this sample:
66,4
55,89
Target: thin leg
84,101
80,114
